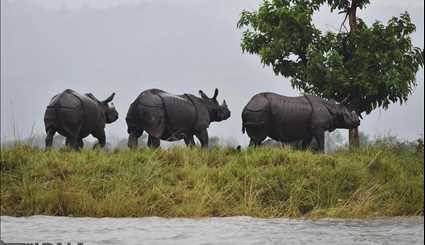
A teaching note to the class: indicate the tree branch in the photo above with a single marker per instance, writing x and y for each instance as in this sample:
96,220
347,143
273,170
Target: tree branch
343,23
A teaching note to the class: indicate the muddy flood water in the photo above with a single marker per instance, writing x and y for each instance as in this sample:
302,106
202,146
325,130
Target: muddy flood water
231,230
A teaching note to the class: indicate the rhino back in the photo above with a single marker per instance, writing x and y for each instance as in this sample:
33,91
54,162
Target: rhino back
146,113
161,114
69,111
150,98
290,110
180,113
93,117
64,114
257,112
291,117
258,102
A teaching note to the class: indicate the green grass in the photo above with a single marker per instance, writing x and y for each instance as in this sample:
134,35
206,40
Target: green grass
182,182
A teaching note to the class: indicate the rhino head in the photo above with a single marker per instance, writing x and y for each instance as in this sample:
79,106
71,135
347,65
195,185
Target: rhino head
342,116
216,111
111,113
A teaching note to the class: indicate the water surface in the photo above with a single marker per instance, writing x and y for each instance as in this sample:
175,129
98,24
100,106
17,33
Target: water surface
232,230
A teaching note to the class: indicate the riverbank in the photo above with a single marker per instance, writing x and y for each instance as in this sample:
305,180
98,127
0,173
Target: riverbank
380,180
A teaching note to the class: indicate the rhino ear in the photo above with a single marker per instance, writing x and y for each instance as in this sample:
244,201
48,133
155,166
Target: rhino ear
215,93
203,95
109,99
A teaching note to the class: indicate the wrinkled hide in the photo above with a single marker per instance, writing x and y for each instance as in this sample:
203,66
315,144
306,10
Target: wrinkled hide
278,117
75,116
166,116
169,117
287,119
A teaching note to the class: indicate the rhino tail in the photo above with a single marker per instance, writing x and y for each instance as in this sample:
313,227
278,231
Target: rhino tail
51,115
134,117
50,118
243,128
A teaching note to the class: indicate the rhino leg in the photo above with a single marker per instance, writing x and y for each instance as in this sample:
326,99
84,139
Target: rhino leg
306,142
68,141
319,135
203,138
133,138
257,134
153,142
132,141
255,142
49,138
189,141
100,136
74,142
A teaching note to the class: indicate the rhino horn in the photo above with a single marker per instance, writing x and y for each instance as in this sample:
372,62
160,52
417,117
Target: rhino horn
224,103
109,99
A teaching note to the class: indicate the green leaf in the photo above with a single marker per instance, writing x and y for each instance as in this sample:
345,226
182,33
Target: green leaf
375,66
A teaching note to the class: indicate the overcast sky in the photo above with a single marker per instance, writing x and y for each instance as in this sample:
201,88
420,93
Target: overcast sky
127,46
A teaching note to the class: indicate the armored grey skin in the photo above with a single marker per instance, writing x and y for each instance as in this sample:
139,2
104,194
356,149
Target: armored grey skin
288,119
76,116
173,117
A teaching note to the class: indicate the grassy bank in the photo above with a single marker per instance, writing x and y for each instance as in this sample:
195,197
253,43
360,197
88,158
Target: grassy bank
263,182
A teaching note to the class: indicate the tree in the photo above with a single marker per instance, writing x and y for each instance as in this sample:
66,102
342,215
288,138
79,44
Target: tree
366,66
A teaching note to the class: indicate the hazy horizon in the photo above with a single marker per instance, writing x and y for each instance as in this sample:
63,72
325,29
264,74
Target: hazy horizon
102,46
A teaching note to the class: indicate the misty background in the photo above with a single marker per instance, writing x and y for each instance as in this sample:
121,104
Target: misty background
105,46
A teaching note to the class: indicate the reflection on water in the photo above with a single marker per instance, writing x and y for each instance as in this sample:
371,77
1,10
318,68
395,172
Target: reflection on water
232,230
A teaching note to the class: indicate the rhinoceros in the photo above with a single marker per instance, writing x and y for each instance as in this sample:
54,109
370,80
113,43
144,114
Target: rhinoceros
287,119
75,116
173,117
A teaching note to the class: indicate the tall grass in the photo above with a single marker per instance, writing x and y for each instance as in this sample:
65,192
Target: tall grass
182,182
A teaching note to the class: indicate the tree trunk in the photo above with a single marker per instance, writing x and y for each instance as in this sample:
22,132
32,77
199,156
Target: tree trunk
352,18
353,138
353,134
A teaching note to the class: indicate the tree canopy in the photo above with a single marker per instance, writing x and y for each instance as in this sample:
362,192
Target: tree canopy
370,66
